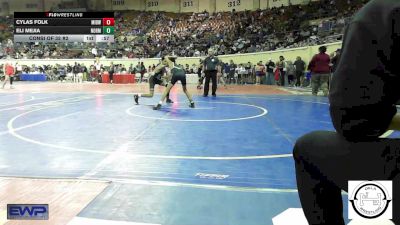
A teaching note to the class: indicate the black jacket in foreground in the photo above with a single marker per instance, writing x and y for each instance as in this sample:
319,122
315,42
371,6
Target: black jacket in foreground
366,83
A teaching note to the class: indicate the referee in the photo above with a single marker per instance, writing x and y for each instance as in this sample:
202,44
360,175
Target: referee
211,68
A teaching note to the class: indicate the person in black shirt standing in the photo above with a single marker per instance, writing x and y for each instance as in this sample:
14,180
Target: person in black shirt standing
142,71
300,68
232,68
270,72
200,75
69,73
76,69
364,91
211,68
111,72
62,73
335,60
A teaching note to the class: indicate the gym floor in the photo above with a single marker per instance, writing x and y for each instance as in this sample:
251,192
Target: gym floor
95,157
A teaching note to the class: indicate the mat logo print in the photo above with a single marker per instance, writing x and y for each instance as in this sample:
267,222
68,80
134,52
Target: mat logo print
370,199
27,211
211,176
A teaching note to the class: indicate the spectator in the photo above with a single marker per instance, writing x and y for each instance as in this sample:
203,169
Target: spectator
62,71
241,72
76,70
320,70
220,74
200,71
335,60
137,70
84,70
9,72
97,66
132,69
232,69
154,33
270,72
69,71
226,70
18,68
111,72
259,70
93,73
281,66
94,52
187,69
193,69
247,73
291,72
79,77
300,66
142,71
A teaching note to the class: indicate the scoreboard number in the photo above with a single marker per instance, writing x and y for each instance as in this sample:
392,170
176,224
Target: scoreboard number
57,38
89,38
108,21
187,3
233,3
152,4
108,30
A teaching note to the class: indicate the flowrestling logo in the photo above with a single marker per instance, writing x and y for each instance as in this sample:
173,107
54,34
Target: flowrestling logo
370,199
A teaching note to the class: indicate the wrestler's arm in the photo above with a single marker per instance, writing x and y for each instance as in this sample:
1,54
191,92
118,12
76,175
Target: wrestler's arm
158,68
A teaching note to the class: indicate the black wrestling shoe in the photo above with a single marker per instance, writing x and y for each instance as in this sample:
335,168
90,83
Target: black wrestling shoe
169,101
157,107
191,105
214,95
136,97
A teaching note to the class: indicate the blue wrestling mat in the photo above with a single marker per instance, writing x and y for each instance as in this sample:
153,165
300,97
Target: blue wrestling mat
226,162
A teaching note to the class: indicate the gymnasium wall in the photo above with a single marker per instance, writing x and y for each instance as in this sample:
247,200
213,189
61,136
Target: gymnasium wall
237,5
116,5
267,4
8,7
163,5
299,2
305,53
189,5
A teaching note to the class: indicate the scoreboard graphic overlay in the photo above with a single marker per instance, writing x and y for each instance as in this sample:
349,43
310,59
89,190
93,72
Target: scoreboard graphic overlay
64,27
